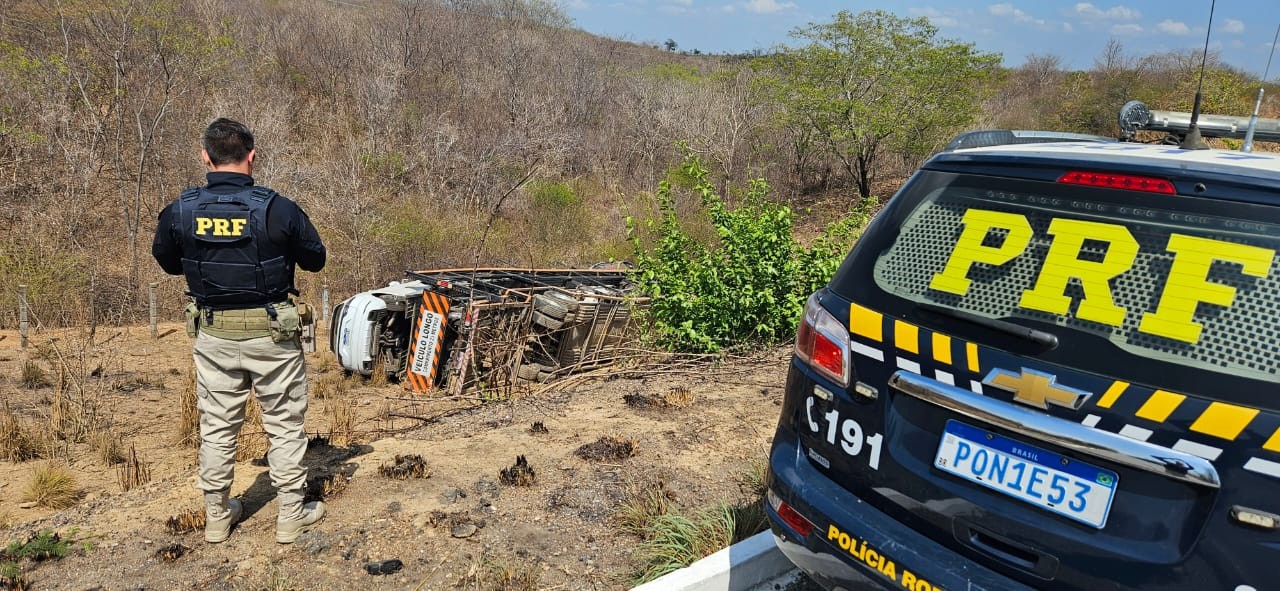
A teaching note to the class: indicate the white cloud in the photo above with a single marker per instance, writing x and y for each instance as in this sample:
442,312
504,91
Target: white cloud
1067,28
768,6
684,2
1123,13
727,8
937,17
1173,27
1007,10
1233,26
1129,29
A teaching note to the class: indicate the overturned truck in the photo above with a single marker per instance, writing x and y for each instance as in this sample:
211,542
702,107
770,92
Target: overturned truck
486,329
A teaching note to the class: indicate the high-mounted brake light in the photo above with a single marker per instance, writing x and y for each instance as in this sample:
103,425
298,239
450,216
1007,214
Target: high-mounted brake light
1129,182
823,343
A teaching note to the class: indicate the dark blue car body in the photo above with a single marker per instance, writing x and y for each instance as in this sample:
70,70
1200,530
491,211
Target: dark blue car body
1127,378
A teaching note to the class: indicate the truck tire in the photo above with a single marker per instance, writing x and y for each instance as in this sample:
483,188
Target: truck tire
555,304
547,322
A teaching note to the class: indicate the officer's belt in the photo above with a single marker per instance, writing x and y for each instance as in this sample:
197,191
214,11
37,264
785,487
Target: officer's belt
238,324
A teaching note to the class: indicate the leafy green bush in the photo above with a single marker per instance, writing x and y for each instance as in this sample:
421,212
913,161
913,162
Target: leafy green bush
745,286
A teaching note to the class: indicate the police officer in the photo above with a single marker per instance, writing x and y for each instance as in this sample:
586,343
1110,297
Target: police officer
237,244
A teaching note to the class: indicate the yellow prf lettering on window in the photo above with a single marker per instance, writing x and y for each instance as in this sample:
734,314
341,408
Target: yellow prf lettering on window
1063,262
1188,284
969,247
203,225
221,227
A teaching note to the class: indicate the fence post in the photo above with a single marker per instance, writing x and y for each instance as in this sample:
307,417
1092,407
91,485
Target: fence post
22,314
153,309
324,306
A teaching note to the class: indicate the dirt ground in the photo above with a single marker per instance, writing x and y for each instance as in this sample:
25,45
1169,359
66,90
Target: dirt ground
448,529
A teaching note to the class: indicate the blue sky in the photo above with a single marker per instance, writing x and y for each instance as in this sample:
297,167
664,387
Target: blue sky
1074,31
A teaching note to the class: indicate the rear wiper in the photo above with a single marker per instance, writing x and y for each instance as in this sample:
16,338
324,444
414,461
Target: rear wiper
1045,340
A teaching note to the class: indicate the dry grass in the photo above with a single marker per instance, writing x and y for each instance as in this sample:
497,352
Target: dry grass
19,441
327,362
379,377
11,577
342,421
134,473
330,385
52,485
486,574
673,540
189,425
33,376
107,446
678,397
185,522
642,506
253,442
755,479
7,519
172,552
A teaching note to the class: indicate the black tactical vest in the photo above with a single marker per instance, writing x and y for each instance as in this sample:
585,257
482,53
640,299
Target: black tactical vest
228,257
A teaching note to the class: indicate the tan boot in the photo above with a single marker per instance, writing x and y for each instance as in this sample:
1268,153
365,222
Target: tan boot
220,514
296,517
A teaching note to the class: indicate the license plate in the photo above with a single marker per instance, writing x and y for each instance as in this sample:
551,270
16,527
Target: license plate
1062,485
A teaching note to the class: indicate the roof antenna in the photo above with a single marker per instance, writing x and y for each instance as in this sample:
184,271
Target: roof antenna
1253,120
1193,141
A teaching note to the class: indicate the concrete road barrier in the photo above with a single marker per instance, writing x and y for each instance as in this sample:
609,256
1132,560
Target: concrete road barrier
740,567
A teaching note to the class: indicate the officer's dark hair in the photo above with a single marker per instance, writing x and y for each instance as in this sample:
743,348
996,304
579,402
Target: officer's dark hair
227,141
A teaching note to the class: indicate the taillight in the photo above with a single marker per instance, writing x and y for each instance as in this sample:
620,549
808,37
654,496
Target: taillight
1130,182
823,343
790,516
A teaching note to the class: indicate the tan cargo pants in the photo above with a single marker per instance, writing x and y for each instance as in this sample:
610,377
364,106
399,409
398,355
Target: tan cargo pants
225,371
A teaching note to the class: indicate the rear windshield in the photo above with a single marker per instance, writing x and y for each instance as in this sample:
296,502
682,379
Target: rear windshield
1180,280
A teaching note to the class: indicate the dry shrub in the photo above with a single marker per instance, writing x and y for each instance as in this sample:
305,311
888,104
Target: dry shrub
185,522
519,474
538,428
33,376
19,442
52,485
6,519
404,467
252,443
107,446
189,424
134,473
342,421
607,447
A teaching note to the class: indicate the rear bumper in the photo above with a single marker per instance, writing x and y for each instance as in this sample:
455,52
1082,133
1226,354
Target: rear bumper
854,545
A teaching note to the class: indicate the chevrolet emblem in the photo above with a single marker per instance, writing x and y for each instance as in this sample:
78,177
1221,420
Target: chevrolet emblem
1036,388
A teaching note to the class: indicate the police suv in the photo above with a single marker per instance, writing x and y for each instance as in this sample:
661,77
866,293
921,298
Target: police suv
1045,366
